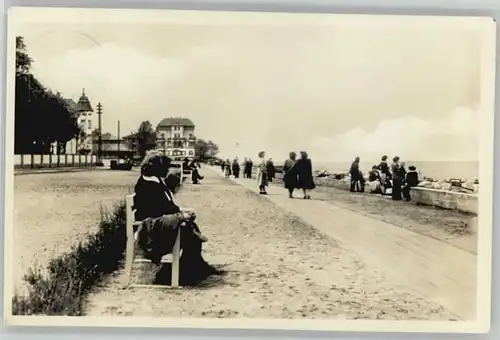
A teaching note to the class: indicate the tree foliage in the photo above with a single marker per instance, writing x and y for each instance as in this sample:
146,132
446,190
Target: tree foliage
205,149
41,116
145,138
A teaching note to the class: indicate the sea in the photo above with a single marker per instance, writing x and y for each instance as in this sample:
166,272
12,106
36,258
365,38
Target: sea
434,170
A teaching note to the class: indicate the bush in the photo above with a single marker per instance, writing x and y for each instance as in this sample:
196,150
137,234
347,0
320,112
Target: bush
62,290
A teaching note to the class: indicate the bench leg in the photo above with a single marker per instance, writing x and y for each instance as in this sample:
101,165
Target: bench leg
130,246
176,255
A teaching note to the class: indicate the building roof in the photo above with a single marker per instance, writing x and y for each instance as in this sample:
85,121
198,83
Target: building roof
71,104
84,103
114,147
172,121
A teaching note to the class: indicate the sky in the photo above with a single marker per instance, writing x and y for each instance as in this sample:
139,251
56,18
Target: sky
337,91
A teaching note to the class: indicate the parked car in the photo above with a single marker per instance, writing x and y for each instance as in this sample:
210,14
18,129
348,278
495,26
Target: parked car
120,164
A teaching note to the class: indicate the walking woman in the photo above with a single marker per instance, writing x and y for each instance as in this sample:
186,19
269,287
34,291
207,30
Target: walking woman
227,167
250,168
245,164
262,174
397,181
271,171
236,168
290,174
305,176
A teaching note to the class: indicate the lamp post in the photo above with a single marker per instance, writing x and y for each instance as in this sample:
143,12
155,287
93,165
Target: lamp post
119,141
99,140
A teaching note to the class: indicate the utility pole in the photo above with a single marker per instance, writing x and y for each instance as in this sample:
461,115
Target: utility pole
99,141
119,141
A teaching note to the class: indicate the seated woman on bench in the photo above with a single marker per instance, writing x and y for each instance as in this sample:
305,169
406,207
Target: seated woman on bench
155,206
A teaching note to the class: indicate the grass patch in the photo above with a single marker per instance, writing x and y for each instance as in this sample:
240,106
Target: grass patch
62,288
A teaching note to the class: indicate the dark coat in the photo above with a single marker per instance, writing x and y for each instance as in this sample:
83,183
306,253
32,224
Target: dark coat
384,168
355,172
157,235
290,176
373,176
412,178
271,171
152,199
304,172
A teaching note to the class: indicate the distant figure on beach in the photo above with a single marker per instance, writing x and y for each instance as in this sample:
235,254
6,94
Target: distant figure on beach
290,174
222,165
411,181
271,171
227,167
305,175
374,182
397,181
236,168
244,164
248,168
357,180
402,171
262,174
385,174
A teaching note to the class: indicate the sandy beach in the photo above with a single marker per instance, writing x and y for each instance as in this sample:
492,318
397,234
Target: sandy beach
54,211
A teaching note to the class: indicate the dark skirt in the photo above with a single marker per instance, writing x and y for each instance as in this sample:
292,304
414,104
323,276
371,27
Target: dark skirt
396,189
291,181
306,182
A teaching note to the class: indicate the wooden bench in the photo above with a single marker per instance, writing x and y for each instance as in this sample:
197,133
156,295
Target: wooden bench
132,240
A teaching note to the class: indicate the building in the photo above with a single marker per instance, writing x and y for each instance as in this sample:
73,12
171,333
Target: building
83,112
176,136
112,147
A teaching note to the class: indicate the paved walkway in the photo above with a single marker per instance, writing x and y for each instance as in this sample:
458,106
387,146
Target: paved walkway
439,271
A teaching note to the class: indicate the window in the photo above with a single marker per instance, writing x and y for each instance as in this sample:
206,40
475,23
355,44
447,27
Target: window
191,153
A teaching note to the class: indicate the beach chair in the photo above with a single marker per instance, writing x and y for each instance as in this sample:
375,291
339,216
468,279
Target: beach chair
132,240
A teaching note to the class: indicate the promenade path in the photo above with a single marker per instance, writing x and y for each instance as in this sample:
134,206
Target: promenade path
440,271
277,265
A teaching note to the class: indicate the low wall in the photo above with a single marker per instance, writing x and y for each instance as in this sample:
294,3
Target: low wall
53,161
446,199
463,202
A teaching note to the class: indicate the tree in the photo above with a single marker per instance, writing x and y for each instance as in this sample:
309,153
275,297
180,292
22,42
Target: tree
23,60
41,117
204,149
146,138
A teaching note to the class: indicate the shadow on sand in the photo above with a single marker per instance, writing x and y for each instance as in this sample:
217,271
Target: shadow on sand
199,275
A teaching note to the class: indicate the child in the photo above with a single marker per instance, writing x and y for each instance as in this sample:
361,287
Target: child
262,174
411,180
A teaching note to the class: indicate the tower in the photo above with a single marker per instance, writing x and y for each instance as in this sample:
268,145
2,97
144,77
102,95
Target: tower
85,121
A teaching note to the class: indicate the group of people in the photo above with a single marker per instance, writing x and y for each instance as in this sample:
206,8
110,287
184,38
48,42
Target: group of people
155,206
297,174
383,177
233,168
